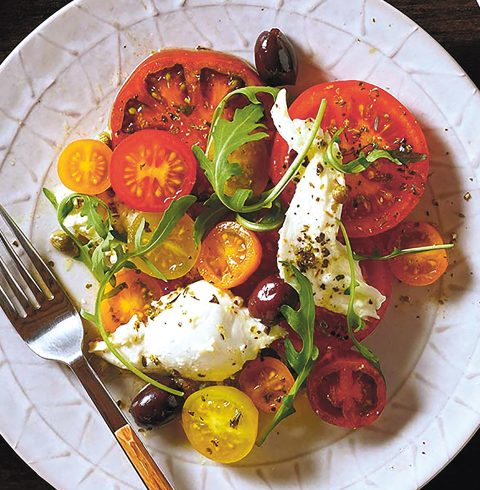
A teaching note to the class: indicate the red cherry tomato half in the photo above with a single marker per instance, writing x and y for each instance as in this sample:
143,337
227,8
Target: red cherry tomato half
150,169
384,194
345,389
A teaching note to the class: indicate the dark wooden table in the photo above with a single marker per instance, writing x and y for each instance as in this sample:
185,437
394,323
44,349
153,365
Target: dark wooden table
455,24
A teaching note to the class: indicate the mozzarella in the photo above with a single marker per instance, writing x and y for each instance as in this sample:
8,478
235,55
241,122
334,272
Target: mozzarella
308,235
199,332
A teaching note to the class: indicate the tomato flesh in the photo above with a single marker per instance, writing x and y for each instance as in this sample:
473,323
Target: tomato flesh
177,90
221,423
266,381
385,193
229,255
345,389
138,291
150,169
418,269
84,166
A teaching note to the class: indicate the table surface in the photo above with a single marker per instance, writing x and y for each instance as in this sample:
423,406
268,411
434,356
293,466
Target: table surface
455,24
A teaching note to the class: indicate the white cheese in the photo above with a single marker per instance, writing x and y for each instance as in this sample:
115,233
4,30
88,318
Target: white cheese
308,235
200,332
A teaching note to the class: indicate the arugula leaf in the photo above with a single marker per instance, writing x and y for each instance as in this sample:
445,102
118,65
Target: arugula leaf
302,321
271,220
213,212
354,322
51,197
396,252
334,157
89,209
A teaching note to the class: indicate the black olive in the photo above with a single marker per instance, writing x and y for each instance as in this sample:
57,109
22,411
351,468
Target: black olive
267,298
153,407
275,58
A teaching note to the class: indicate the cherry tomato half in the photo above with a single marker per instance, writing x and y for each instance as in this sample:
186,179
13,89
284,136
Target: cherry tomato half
221,423
175,256
419,269
150,169
345,389
266,381
84,166
139,290
229,255
384,194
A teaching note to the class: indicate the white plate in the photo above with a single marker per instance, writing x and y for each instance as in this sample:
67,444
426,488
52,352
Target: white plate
58,85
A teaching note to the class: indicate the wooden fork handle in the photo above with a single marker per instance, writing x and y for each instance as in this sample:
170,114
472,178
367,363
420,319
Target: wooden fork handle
133,447
141,459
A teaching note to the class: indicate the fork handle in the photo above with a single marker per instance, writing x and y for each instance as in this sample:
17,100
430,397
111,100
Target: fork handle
133,447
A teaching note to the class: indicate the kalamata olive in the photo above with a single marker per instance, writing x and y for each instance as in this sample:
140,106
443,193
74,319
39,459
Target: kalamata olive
267,298
153,407
275,58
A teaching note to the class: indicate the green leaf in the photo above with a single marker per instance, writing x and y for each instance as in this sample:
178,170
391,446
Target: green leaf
354,322
169,220
153,268
270,220
302,322
95,220
90,317
213,211
51,197
397,252
139,233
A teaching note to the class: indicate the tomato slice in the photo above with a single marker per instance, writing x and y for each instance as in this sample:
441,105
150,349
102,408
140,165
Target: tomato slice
175,256
229,255
345,389
384,194
138,291
150,169
84,166
266,381
420,269
221,423
177,90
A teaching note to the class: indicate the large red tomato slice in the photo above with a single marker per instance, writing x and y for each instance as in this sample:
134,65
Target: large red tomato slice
384,194
177,90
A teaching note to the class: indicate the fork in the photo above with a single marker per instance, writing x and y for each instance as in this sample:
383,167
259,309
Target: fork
52,328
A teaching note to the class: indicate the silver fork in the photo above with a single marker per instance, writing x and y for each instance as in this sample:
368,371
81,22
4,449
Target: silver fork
52,328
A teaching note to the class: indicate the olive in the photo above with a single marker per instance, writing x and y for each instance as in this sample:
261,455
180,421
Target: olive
153,407
267,298
275,58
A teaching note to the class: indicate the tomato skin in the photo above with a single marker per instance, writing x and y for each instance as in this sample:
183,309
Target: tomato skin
419,269
266,381
150,169
221,422
84,166
345,389
229,255
384,194
140,289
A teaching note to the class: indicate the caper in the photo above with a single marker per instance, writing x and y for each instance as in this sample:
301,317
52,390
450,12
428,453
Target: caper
63,243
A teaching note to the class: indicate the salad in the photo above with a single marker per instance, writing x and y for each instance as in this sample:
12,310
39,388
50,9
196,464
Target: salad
244,244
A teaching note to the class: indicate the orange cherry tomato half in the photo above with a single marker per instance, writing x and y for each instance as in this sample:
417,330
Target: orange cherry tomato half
266,381
418,269
138,291
84,166
229,255
150,169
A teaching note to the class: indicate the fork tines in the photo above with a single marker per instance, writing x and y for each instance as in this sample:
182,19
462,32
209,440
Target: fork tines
26,292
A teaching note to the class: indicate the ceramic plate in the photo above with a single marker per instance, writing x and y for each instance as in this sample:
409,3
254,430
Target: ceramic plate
58,86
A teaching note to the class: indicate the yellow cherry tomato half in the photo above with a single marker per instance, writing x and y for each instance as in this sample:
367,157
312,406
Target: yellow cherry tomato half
84,166
221,423
175,256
